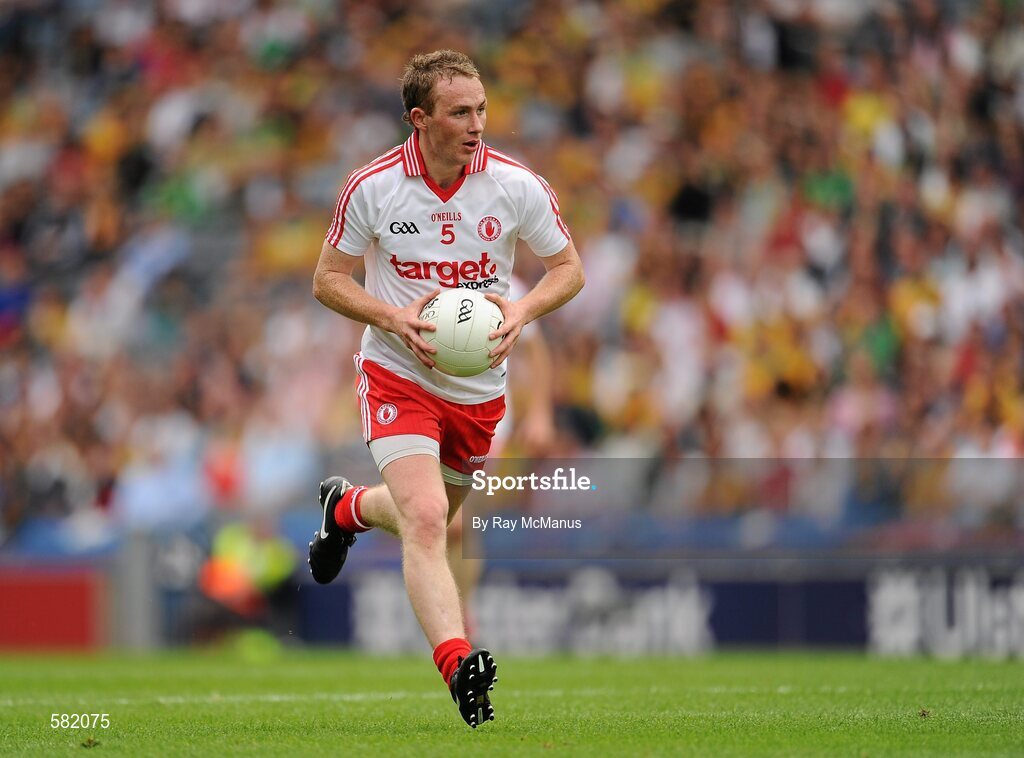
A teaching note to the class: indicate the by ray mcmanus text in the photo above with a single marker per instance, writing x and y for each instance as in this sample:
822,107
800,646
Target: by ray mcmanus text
497,523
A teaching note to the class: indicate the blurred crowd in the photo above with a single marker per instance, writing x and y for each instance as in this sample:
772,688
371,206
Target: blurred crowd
799,221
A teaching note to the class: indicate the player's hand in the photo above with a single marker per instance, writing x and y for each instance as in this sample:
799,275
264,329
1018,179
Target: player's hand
537,432
510,329
405,322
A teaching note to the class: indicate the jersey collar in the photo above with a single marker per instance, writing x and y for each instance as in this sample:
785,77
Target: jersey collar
412,158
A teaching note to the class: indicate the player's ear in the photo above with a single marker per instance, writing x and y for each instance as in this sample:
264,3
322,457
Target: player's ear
417,117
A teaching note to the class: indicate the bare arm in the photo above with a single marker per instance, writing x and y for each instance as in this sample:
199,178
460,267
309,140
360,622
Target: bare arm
334,286
560,283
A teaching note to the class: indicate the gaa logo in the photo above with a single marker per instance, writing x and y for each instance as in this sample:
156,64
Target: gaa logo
489,228
403,227
387,413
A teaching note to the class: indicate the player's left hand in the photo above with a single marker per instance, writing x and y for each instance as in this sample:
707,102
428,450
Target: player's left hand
510,329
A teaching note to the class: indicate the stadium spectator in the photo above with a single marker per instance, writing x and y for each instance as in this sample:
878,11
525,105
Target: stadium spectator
763,196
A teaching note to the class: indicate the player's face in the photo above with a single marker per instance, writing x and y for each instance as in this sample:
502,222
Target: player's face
456,126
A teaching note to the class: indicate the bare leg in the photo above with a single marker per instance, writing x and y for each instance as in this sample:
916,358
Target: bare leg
421,512
466,571
378,508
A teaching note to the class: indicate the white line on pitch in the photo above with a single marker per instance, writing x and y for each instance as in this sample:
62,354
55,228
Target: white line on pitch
270,697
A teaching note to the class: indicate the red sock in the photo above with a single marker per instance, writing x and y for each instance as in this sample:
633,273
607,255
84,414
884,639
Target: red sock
447,655
347,513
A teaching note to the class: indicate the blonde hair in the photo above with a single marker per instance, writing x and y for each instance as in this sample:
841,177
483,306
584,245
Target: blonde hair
422,72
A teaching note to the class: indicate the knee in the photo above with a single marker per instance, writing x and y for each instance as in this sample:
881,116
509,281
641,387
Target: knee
425,521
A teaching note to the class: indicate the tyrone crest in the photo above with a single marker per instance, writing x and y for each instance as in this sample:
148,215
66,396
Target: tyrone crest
489,228
387,413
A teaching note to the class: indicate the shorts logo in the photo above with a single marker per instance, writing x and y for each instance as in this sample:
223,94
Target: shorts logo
387,413
403,227
489,228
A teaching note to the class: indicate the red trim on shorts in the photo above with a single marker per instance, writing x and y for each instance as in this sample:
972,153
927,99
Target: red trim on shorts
391,405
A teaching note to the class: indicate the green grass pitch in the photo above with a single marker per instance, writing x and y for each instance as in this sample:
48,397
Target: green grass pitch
328,703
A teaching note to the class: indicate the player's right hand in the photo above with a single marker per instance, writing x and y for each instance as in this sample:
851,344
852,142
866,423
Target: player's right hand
405,322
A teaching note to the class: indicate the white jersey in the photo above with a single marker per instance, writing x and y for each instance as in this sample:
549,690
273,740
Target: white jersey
424,237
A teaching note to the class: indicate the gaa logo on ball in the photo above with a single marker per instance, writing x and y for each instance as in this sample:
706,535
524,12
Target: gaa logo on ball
464,318
387,413
489,228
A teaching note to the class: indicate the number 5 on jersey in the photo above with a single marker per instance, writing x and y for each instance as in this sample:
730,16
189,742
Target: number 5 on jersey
447,234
